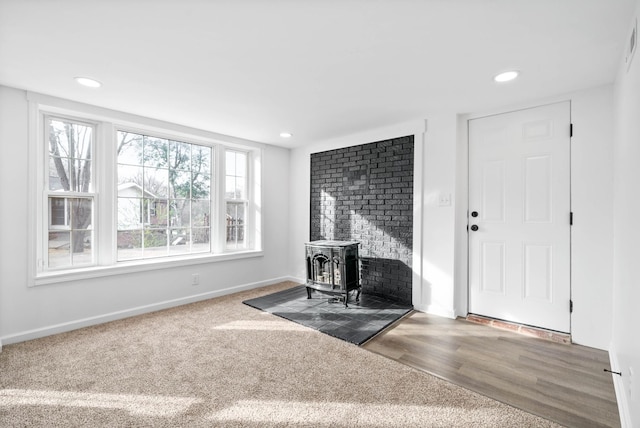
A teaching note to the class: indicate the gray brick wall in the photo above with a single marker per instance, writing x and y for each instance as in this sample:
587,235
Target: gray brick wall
365,193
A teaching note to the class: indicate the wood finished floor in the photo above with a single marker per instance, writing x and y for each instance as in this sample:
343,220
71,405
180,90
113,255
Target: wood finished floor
563,383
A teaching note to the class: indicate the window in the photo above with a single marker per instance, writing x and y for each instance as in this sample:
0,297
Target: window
236,199
164,197
70,197
115,197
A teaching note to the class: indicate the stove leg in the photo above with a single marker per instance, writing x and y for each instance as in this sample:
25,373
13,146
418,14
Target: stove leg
308,293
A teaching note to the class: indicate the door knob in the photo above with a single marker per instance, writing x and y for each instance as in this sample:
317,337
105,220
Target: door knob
474,213
474,227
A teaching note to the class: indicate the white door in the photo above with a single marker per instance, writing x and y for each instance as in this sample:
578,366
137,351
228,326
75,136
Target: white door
519,216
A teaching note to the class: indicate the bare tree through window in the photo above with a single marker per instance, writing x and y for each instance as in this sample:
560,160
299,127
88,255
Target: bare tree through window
70,197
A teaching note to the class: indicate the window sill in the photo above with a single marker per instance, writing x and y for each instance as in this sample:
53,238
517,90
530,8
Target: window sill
138,266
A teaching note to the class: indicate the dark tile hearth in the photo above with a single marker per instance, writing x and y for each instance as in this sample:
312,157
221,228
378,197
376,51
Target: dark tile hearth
357,323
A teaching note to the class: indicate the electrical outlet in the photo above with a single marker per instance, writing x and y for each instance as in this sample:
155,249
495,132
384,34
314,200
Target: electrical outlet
195,279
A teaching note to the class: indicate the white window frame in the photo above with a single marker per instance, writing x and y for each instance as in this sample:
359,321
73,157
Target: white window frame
104,170
47,193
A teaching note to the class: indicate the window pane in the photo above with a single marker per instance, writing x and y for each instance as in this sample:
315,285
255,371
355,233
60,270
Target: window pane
127,176
180,183
81,213
179,242
230,163
70,146
180,213
130,244
155,243
201,159
58,171
58,138
179,155
200,240
81,140
155,182
155,152
157,213
240,190
82,253
129,148
69,139
80,175
59,255
201,186
200,213
241,164
230,187
236,171
130,213
58,212
235,225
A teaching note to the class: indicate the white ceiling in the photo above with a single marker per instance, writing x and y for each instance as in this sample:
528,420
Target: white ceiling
318,69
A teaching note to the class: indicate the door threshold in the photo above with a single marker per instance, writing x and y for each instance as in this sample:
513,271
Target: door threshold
526,330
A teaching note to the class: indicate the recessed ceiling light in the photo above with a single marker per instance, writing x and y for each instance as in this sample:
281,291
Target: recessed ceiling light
506,76
286,134
86,81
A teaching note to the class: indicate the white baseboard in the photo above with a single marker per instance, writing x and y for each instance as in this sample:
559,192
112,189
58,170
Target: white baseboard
618,386
100,319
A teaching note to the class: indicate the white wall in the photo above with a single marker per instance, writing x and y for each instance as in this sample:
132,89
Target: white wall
592,205
28,312
625,344
438,221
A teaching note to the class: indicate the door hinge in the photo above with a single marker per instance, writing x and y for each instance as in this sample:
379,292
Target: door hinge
571,218
570,130
570,306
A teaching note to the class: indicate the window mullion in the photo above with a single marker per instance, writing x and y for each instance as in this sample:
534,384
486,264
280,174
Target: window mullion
106,202
219,230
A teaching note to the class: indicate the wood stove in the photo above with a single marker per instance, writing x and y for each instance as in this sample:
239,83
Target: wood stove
333,268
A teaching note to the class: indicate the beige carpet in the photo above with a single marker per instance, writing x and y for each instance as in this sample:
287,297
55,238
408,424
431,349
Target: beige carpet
220,363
